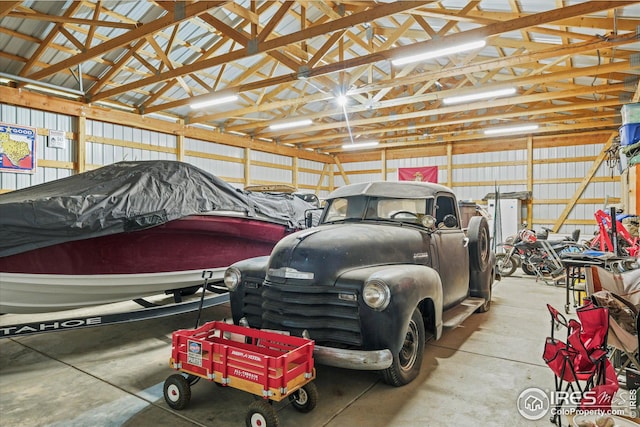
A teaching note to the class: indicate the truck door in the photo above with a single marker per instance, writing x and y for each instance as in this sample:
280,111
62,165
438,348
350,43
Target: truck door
453,256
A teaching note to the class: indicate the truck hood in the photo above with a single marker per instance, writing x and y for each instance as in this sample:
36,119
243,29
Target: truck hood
319,255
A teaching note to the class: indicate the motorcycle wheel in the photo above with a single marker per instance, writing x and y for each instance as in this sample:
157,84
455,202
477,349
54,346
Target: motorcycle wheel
506,264
527,269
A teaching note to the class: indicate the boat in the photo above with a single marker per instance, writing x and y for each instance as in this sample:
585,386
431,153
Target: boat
130,230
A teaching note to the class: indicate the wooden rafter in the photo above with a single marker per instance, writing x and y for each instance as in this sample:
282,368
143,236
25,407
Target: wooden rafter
271,44
572,64
451,71
141,31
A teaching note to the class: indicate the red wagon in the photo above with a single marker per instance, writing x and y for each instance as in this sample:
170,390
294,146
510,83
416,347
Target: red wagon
267,364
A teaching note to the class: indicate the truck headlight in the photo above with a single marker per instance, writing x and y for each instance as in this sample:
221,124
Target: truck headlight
376,294
232,278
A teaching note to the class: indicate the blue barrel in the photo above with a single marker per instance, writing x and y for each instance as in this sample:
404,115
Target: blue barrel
629,134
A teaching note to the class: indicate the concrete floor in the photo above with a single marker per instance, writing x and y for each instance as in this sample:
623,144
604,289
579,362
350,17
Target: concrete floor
113,375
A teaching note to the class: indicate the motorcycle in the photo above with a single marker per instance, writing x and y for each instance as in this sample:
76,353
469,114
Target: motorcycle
525,250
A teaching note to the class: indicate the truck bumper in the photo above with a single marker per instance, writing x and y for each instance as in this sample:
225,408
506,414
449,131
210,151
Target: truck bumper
360,360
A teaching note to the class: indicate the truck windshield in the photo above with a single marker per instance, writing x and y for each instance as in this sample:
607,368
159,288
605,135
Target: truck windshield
377,208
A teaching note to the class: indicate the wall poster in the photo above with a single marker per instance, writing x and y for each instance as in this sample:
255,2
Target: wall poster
17,148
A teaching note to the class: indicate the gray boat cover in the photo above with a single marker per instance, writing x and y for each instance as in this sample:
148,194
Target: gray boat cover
128,196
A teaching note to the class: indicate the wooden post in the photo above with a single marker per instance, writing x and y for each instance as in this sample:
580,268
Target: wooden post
294,172
81,160
529,181
247,166
449,165
634,186
383,160
180,142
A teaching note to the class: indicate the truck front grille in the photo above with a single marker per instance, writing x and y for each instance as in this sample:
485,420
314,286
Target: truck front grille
329,319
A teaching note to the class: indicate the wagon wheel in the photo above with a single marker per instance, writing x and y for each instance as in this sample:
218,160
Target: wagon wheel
305,398
261,414
177,391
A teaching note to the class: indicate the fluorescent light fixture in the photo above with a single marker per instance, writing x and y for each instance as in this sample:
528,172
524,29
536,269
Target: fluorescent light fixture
52,91
203,126
114,105
287,125
479,95
357,145
440,52
162,116
214,101
510,129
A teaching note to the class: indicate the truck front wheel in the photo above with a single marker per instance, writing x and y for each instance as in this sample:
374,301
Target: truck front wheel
406,363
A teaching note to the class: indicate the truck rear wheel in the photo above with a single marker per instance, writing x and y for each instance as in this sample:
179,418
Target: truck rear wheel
406,364
479,250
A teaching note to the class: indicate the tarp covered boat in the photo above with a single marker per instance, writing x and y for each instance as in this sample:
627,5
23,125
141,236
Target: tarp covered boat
129,230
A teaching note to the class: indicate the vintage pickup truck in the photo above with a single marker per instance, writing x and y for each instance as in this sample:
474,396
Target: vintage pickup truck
387,267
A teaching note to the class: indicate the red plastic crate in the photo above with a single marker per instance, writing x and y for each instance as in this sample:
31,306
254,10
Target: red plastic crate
264,363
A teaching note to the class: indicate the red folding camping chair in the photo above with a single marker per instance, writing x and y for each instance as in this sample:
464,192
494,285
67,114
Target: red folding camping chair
580,363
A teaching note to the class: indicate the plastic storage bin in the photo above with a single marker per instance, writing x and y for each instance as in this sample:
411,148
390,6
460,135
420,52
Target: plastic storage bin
630,113
629,133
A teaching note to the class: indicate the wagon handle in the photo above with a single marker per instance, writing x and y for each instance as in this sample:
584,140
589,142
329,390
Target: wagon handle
206,275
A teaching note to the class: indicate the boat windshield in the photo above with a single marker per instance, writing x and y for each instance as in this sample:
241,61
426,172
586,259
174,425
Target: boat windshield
377,208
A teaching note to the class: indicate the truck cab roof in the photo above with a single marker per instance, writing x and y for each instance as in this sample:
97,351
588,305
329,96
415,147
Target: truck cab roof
391,189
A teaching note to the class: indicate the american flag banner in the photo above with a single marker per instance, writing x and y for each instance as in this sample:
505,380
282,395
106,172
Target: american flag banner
424,174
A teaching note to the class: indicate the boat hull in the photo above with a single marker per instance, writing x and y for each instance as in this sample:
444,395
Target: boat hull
131,265
24,293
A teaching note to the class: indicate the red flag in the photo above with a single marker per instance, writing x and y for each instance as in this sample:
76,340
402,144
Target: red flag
424,174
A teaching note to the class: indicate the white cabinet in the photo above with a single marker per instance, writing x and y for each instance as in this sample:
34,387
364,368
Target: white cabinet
508,218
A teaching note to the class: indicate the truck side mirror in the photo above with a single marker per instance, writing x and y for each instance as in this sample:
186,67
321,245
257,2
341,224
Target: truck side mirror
312,217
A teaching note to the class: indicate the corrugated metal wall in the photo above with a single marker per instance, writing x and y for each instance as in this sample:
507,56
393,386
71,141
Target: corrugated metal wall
557,172
569,176
224,161
277,170
109,143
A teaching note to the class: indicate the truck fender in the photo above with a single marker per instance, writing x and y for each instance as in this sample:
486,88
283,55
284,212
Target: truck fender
481,282
409,285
